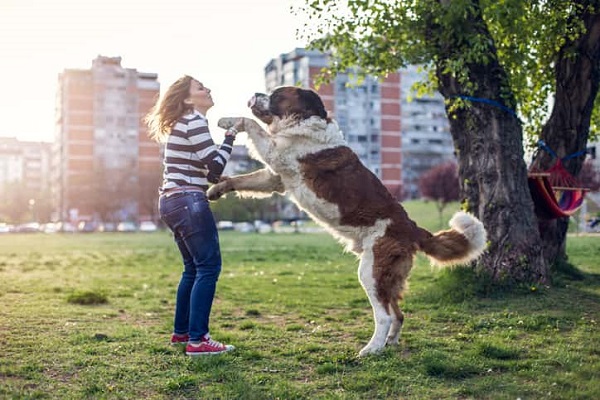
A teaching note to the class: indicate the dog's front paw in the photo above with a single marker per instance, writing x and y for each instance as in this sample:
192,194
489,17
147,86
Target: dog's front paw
216,191
227,122
369,349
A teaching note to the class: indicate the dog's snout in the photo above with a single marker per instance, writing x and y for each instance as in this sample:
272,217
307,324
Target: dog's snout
252,101
259,105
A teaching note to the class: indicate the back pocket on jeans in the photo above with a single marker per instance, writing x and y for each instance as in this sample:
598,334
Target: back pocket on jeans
179,221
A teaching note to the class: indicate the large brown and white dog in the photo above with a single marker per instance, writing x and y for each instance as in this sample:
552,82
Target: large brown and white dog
307,157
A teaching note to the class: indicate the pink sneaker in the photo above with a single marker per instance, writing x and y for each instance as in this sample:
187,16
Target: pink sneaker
179,339
207,346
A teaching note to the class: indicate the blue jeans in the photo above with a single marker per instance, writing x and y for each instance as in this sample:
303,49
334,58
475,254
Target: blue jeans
188,216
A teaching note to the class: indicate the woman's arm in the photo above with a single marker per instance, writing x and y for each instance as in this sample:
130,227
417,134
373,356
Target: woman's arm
212,156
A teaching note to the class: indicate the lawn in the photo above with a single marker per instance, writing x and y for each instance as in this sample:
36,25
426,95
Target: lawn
89,316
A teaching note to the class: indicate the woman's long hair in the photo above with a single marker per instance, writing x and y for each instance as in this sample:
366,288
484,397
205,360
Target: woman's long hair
169,109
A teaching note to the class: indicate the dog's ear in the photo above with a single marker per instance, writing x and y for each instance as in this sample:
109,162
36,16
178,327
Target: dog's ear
312,104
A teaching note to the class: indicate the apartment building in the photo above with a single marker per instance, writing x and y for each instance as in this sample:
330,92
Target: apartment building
25,164
24,177
426,138
104,165
376,117
11,163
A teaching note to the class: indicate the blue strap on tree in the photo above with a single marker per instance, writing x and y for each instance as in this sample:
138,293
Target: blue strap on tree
574,155
542,145
490,102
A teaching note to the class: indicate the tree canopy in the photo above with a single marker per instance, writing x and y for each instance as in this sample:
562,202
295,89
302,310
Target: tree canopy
382,36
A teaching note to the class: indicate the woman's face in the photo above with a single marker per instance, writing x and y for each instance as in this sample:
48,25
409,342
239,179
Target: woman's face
200,97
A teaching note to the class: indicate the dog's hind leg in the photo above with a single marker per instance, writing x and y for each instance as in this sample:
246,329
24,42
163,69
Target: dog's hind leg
383,320
398,275
396,328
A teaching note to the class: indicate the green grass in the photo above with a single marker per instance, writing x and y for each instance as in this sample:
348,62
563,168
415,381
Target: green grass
89,316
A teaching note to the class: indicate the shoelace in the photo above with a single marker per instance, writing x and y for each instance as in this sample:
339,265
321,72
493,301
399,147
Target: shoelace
213,342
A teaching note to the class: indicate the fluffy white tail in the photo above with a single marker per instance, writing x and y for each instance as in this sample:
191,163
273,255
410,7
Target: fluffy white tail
463,243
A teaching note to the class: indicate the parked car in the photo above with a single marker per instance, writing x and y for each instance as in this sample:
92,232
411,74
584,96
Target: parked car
147,226
86,226
65,227
126,226
28,227
225,225
4,228
262,227
244,227
107,227
50,227
594,224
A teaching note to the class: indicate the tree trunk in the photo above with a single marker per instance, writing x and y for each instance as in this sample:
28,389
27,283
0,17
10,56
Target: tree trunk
577,73
492,169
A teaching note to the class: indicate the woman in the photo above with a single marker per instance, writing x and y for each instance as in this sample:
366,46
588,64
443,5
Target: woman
191,161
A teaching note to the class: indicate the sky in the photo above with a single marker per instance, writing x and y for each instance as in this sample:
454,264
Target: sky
225,44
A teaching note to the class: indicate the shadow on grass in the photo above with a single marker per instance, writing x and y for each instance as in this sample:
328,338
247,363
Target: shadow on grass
475,329
462,284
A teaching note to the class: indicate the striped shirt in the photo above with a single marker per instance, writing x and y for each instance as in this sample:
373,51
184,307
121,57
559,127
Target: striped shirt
191,157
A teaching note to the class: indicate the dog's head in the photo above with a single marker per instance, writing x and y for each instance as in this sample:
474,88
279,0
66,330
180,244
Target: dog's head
287,102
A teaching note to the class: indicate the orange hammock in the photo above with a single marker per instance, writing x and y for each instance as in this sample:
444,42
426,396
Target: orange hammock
555,192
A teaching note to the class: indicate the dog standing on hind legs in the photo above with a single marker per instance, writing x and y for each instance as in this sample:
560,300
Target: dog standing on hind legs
306,157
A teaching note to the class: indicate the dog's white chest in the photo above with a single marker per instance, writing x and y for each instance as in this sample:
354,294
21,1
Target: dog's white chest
283,156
